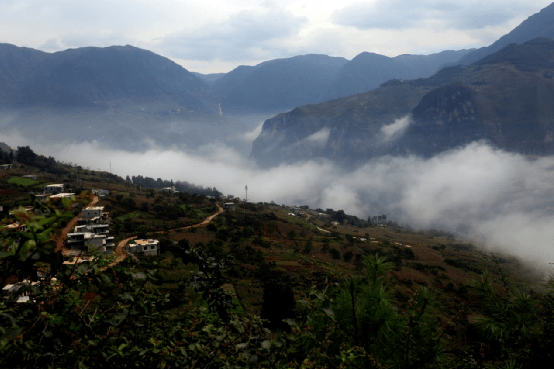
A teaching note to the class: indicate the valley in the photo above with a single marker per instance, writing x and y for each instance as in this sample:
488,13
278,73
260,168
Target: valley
330,201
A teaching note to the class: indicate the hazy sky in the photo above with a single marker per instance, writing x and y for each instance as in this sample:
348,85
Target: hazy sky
216,36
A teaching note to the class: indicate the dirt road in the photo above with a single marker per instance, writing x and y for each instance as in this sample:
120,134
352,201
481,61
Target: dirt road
203,223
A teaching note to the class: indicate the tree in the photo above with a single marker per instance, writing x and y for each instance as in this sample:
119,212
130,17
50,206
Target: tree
335,253
26,155
348,255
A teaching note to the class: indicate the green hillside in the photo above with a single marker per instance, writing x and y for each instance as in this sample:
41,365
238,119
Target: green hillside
258,287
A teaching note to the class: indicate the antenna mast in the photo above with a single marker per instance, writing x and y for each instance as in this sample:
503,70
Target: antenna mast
246,189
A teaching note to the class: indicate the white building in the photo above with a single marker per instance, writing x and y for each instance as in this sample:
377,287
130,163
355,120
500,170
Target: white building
148,247
90,242
53,189
62,195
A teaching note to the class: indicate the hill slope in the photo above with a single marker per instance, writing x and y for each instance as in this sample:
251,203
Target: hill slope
92,77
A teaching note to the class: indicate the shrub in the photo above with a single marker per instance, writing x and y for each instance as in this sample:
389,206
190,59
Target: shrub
335,253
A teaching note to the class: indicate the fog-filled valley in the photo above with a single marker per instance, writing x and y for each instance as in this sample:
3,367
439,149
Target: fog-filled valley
502,201
277,184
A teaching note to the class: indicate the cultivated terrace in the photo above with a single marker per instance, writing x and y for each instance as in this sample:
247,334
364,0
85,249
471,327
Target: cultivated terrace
256,287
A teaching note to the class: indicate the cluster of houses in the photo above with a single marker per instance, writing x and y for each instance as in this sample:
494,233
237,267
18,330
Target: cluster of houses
92,232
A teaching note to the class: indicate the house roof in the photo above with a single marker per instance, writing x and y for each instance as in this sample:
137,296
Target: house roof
146,242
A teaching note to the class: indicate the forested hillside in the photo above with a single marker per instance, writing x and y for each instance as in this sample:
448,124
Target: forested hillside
256,287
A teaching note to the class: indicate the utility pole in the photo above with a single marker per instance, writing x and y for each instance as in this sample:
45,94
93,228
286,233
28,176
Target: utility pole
246,189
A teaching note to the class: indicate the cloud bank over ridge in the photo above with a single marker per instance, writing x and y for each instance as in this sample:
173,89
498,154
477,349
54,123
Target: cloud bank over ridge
505,200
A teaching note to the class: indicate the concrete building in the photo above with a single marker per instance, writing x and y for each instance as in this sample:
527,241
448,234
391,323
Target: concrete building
5,166
53,189
62,195
88,241
94,214
229,206
148,247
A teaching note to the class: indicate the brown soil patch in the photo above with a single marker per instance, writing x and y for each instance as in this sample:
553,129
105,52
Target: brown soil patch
426,253
10,193
410,275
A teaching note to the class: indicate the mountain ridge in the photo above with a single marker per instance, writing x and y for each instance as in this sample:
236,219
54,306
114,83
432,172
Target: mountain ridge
504,99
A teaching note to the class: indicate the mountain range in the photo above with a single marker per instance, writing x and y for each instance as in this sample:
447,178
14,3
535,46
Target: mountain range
123,94
505,99
96,77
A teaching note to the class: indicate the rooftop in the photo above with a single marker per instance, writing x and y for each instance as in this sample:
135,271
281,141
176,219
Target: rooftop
145,242
95,208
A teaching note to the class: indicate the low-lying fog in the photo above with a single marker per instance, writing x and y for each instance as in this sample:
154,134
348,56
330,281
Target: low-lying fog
501,199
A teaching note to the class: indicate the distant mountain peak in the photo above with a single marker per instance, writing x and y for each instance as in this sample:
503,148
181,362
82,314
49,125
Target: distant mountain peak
540,24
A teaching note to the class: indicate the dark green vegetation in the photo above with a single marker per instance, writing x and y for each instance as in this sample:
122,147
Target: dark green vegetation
504,99
259,288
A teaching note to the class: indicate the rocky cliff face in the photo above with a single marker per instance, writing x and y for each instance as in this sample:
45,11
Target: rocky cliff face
345,129
505,100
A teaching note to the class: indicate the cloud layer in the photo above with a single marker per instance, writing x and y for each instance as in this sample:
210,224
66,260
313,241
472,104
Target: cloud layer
249,34
209,35
399,14
502,199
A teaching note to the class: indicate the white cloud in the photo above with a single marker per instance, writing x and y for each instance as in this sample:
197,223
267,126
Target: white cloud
395,129
253,134
405,14
246,35
215,35
319,138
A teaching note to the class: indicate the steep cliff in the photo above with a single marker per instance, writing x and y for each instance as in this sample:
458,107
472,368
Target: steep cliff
505,99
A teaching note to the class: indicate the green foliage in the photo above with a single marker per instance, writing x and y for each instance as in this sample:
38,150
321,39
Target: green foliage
20,181
173,312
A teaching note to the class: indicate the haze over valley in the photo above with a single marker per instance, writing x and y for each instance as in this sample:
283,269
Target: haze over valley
455,140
